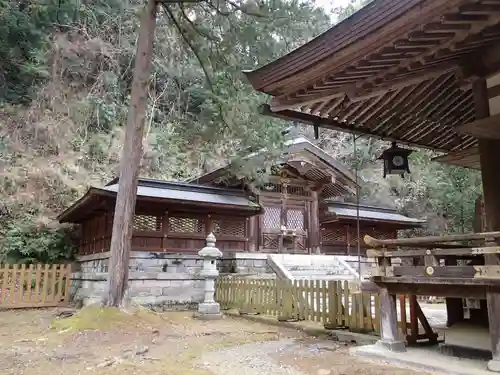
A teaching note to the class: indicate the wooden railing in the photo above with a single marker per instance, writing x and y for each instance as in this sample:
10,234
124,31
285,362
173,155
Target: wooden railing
329,302
41,285
444,257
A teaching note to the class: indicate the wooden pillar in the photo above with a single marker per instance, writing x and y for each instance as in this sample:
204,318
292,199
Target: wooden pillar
130,160
314,225
389,332
252,233
490,172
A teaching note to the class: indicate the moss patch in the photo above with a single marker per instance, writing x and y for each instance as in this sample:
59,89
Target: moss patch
97,318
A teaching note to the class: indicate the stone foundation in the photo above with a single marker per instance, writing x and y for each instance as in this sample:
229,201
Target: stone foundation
165,280
250,264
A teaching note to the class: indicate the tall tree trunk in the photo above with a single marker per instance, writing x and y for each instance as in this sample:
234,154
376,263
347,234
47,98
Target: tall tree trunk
130,161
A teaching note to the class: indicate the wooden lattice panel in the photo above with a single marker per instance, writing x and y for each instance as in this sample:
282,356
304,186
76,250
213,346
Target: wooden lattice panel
297,191
334,234
301,242
233,227
272,218
146,223
295,219
270,241
186,225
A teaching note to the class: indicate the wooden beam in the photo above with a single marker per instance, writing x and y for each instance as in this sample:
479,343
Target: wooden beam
438,289
282,103
374,253
468,158
314,226
430,240
329,123
493,302
485,128
435,272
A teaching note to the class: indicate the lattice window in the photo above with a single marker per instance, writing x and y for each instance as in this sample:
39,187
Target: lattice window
270,241
233,227
298,191
147,223
186,225
295,219
334,234
301,242
272,218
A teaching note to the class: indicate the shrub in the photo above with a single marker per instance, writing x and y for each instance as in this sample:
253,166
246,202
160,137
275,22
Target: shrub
27,242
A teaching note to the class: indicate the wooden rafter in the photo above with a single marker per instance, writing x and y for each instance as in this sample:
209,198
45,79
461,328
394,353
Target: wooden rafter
413,87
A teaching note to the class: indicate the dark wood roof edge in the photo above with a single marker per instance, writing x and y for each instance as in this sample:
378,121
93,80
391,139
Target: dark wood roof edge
349,177
183,186
69,214
65,216
341,35
367,207
401,224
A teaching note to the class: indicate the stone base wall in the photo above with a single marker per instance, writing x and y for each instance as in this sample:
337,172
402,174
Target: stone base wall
250,264
164,280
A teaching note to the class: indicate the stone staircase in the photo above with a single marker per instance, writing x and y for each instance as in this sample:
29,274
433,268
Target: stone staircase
316,267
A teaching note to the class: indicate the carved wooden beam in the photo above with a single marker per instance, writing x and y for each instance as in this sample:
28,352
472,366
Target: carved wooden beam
486,128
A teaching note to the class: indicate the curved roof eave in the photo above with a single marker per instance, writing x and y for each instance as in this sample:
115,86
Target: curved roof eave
362,23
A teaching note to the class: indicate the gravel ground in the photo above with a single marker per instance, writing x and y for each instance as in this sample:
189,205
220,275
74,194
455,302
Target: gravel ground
111,342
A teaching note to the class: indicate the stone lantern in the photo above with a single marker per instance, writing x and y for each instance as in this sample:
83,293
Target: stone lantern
209,309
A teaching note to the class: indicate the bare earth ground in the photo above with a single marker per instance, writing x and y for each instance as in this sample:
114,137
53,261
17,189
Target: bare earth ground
108,342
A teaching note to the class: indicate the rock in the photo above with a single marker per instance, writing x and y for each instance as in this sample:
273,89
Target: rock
107,363
141,350
65,314
324,372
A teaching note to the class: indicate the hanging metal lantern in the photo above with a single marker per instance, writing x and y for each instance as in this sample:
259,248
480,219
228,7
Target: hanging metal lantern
395,160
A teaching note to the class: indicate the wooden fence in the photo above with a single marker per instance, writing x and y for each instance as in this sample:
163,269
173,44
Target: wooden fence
329,302
39,285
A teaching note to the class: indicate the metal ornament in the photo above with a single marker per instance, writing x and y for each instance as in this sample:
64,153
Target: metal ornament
395,160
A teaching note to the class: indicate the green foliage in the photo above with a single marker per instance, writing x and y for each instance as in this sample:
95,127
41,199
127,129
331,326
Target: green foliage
25,243
65,88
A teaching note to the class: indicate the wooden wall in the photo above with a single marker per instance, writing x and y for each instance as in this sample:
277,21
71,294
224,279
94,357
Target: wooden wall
173,232
341,237
291,210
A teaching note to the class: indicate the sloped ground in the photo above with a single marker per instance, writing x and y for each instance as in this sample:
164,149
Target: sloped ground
109,342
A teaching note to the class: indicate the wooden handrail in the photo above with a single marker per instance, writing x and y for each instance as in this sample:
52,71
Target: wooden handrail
437,252
435,241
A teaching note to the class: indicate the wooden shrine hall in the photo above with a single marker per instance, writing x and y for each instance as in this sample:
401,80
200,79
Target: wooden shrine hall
424,73
296,208
169,217
302,197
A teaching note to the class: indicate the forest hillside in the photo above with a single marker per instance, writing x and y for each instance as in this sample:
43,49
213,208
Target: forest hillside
65,75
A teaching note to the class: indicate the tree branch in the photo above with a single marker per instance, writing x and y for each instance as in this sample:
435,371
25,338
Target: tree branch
190,45
198,57
193,26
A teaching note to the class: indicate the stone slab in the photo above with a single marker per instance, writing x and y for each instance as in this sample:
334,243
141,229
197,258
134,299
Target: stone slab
202,316
423,359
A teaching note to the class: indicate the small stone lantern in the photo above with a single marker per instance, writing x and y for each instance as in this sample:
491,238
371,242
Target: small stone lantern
209,309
